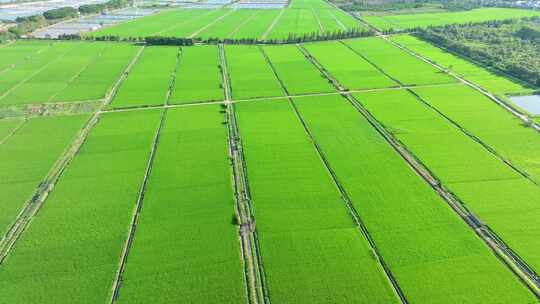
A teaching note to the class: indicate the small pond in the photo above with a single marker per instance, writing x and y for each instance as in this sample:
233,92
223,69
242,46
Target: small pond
530,104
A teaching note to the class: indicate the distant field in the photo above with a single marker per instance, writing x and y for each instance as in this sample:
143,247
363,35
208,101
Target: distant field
407,21
226,23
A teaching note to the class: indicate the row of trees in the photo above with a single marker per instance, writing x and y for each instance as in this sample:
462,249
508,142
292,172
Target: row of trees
512,46
292,38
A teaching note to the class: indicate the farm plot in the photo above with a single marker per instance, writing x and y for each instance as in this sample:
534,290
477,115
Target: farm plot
400,210
196,25
295,71
149,80
327,20
295,22
98,78
352,71
20,51
408,21
470,71
303,225
186,249
255,27
54,77
8,126
28,155
490,123
11,78
198,77
151,25
224,27
70,252
250,74
397,63
498,195
346,20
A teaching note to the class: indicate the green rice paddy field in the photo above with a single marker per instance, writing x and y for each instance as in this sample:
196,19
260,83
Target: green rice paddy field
228,22
348,171
408,21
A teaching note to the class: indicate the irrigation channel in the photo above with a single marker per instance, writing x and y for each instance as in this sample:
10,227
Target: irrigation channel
254,268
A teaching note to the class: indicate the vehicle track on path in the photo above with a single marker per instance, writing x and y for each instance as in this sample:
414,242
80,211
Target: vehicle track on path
344,195
251,17
316,16
273,24
39,197
12,132
254,272
202,29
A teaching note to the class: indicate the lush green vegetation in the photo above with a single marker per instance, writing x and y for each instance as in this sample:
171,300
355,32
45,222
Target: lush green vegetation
251,76
62,71
489,80
501,197
28,155
8,126
186,249
295,71
303,225
239,25
512,46
71,251
436,247
198,77
351,70
410,21
490,123
149,80
303,243
381,54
